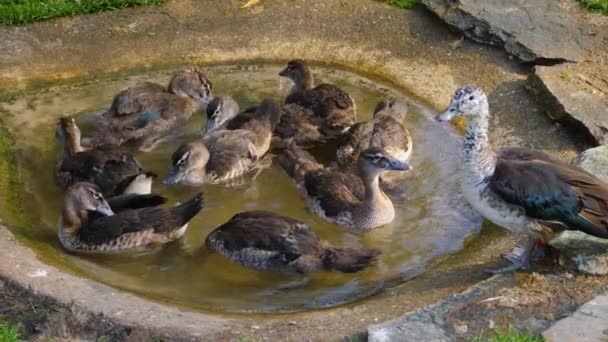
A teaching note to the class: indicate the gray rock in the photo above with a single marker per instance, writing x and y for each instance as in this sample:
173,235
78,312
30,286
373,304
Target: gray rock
533,30
587,253
407,332
587,324
594,161
575,95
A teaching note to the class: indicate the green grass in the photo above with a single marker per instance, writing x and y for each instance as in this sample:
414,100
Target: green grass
9,333
18,12
407,4
596,5
512,335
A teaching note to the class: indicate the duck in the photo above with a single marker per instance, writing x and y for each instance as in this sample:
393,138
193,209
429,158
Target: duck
333,105
264,240
90,223
219,111
300,126
385,130
524,191
111,169
143,115
219,157
344,198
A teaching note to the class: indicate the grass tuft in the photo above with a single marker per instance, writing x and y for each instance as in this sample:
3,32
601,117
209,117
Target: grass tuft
9,333
596,5
18,12
512,335
407,4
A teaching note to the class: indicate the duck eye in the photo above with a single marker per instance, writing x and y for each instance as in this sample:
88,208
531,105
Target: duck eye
472,98
97,195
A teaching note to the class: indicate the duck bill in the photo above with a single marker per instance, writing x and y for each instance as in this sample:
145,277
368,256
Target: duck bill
397,165
104,209
174,177
283,72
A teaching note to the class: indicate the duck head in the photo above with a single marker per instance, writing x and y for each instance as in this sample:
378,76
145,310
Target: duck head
68,134
396,108
188,164
375,160
468,101
297,70
85,197
219,111
192,83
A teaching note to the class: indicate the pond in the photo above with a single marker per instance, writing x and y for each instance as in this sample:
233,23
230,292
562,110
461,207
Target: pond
432,219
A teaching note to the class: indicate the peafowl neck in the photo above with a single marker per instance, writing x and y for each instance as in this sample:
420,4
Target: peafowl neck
479,158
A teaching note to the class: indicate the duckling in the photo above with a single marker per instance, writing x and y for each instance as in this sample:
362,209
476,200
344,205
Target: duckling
385,130
346,199
145,114
219,111
90,223
328,102
524,191
110,169
298,125
264,240
218,157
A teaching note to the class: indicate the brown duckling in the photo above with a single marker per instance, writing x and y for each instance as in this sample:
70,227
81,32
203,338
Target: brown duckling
327,101
217,158
89,223
385,130
344,198
143,115
110,169
264,240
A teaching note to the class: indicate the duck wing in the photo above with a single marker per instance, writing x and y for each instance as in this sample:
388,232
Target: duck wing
335,192
391,135
298,124
554,192
263,231
135,201
140,98
232,153
354,141
159,220
107,168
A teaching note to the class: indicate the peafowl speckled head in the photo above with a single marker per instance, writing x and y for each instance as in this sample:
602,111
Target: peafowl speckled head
468,101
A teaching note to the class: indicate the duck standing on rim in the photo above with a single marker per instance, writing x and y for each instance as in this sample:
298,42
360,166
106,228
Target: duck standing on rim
143,115
326,101
113,171
264,240
346,199
385,130
89,223
524,191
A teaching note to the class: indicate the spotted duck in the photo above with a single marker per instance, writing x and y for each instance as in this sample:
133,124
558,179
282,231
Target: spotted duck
264,240
333,105
90,223
524,191
111,169
344,198
219,157
385,130
143,115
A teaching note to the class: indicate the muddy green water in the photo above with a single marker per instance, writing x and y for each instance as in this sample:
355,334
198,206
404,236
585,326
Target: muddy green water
431,221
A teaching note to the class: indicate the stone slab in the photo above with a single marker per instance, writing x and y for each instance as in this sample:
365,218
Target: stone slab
588,324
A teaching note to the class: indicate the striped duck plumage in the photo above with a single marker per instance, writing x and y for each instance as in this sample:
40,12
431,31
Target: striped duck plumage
267,241
144,115
385,130
219,157
111,169
90,223
524,191
344,198
324,106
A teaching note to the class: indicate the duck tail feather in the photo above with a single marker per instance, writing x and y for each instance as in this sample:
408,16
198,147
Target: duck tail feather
348,260
187,210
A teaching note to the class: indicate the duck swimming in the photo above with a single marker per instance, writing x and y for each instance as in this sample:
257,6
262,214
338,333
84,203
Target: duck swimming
346,199
385,130
524,191
89,223
264,240
143,115
333,105
216,158
110,169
